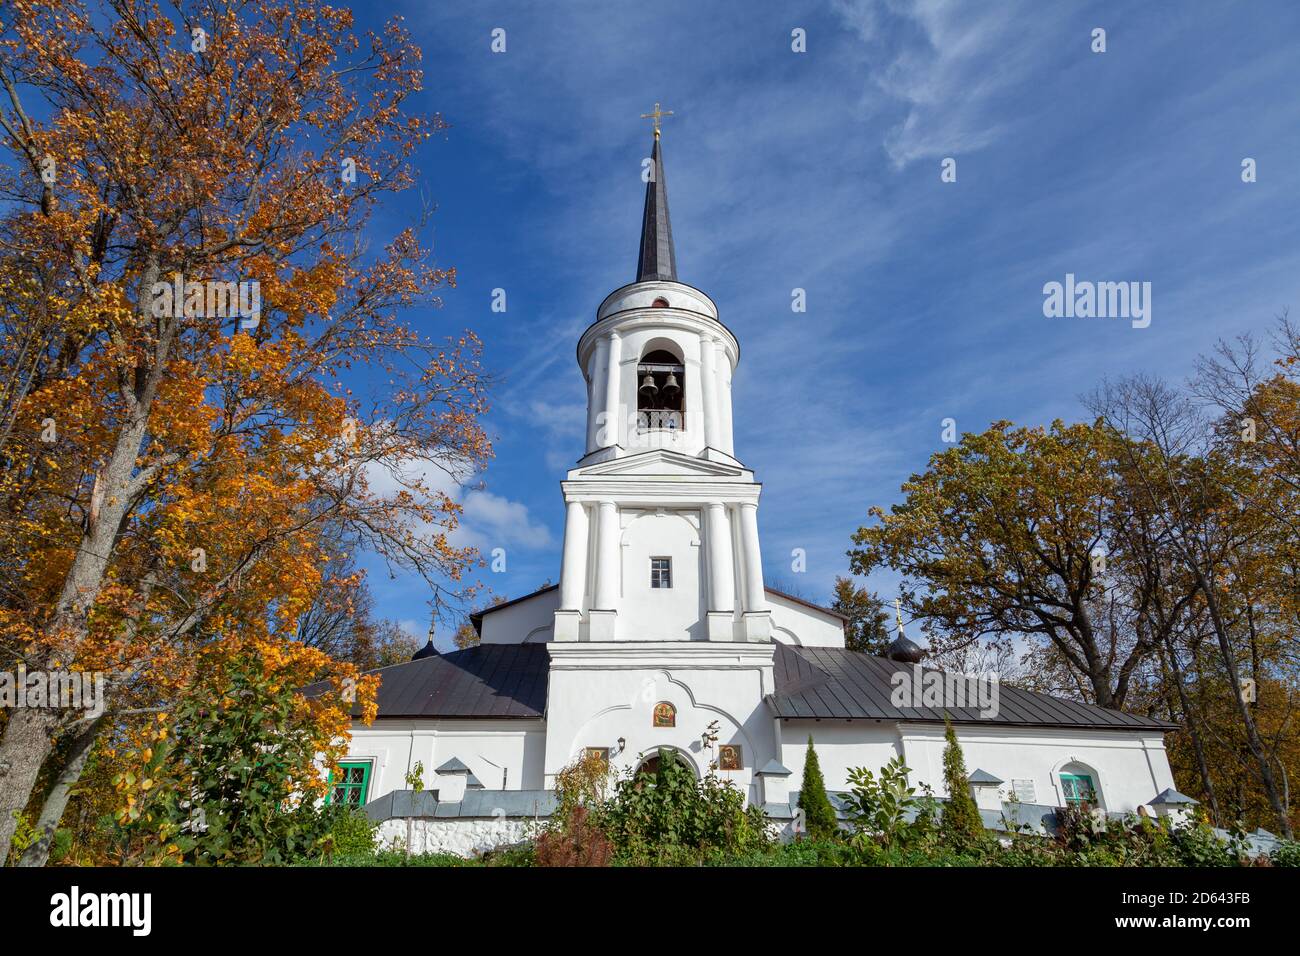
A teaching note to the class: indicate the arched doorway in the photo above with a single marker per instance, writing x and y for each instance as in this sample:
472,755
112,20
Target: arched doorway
649,767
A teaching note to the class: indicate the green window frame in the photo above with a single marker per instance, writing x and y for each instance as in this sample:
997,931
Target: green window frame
353,785
1078,788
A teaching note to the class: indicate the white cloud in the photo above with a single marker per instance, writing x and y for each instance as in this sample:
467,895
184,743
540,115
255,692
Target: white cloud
947,61
497,522
487,520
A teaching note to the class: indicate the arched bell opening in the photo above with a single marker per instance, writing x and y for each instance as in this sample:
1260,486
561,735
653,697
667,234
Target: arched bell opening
661,383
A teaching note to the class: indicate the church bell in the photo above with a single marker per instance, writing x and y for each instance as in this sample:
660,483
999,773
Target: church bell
648,387
671,388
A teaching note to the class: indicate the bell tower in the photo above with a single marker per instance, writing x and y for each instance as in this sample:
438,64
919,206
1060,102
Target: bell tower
661,518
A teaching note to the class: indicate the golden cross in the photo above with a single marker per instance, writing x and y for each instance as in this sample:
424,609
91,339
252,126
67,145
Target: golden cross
656,116
898,614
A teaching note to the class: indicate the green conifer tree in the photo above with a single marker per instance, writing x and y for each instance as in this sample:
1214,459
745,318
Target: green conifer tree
961,821
819,815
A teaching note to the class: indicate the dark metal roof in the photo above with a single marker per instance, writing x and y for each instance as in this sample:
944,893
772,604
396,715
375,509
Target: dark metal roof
489,680
835,683
657,259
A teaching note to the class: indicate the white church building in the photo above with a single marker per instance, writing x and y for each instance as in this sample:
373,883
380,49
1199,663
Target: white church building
662,634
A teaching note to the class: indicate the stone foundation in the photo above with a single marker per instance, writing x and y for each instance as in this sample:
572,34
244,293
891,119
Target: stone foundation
461,836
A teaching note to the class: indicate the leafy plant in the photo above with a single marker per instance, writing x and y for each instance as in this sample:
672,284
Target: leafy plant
233,779
878,807
1286,853
571,837
351,832
671,817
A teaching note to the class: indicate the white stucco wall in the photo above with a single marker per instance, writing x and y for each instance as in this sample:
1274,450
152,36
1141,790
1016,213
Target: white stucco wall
502,754
1128,768
792,623
600,693
661,614
532,618
530,621
840,745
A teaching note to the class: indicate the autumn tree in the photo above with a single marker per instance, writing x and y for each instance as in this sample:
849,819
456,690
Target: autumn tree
867,628
1007,534
168,462
1207,502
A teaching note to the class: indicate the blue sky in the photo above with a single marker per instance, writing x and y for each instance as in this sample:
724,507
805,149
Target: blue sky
821,171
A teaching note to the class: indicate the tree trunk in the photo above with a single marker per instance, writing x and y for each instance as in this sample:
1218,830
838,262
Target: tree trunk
57,800
29,737
1253,740
27,742
1198,748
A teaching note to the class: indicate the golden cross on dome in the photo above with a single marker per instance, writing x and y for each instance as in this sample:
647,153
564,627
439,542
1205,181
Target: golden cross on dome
898,614
656,116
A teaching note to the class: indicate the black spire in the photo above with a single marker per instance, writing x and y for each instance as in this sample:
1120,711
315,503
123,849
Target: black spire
657,260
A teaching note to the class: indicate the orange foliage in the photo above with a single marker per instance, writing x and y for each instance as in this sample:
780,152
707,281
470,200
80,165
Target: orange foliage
198,466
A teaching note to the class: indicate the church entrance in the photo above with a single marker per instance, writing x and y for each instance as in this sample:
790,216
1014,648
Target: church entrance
649,767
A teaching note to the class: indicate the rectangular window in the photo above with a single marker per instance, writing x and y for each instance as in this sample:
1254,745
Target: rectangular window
351,785
661,572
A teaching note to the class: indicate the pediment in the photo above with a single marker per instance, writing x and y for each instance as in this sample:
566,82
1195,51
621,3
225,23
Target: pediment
660,462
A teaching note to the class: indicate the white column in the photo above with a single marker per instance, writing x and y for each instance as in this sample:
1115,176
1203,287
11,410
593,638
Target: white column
607,553
721,574
755,596
613,392
709,391
593,402
723,379
573,562
597,405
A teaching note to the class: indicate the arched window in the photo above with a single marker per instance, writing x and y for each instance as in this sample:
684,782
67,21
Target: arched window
661,384
1079,786
660,303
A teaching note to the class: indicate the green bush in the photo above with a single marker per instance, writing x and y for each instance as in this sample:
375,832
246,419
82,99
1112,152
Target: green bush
879,808
224,791
1085,840
1286,853
673,819
387,858
350,833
